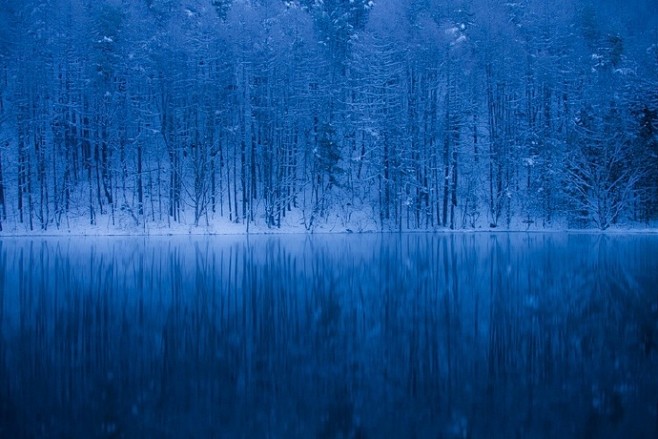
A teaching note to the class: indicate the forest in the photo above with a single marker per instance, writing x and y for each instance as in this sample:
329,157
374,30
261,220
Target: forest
347,115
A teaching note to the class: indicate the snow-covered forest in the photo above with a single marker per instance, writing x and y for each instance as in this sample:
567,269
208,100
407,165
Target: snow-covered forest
328,114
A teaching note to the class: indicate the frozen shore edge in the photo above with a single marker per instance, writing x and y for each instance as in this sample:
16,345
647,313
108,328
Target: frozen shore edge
205,232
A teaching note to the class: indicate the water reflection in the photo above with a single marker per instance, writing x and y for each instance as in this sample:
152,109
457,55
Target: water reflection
440,336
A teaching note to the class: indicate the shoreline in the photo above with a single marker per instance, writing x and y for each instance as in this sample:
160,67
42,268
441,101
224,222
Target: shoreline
294,232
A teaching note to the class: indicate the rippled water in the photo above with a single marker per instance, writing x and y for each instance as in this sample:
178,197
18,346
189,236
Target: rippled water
416,335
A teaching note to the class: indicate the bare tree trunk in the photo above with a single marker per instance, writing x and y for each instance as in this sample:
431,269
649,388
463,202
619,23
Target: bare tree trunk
3,207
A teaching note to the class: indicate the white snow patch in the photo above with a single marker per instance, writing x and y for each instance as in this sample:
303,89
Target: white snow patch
624,71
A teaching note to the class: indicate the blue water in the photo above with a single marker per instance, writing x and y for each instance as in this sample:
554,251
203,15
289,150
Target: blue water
368,336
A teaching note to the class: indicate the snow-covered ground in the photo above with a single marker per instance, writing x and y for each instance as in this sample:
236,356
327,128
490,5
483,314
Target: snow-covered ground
292,224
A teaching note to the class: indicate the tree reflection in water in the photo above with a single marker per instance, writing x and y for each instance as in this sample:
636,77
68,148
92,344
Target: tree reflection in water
417,335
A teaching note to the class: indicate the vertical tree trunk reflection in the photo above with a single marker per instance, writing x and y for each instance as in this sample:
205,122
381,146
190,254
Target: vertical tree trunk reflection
426,335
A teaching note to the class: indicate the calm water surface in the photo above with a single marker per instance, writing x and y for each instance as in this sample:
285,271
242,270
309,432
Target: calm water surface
402,336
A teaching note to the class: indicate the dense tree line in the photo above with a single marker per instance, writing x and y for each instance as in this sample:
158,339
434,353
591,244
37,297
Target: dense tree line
388,115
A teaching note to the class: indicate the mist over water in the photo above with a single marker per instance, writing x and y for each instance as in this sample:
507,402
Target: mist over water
411,335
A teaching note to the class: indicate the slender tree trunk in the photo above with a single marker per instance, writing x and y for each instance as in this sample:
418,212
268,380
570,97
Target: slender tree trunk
140,182
3,208
21,173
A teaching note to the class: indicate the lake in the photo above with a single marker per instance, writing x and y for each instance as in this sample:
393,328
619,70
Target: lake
330,336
